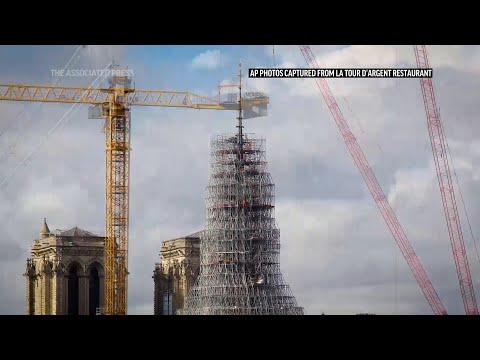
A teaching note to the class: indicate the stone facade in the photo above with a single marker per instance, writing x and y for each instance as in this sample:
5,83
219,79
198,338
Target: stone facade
64,274
176,273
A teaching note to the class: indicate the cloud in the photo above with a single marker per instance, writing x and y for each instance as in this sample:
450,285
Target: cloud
337,253
208,60
459,58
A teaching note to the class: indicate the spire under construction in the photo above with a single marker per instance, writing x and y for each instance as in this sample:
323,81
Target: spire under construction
240,247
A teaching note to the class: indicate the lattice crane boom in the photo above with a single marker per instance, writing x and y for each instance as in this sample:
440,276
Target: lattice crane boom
440,155
114,105
97,96
376,190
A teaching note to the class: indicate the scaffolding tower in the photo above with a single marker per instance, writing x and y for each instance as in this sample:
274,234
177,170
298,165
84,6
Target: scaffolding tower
240,247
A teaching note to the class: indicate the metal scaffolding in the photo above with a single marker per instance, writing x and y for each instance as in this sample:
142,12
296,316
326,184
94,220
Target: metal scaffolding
240,247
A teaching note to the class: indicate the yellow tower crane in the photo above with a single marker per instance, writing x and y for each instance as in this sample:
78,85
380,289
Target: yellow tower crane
113,104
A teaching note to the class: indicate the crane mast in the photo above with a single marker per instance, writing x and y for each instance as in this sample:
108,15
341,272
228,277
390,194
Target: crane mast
376,190
440,155
117,169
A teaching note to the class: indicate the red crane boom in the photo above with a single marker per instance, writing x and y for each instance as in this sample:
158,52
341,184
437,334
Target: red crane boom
440,154
376,191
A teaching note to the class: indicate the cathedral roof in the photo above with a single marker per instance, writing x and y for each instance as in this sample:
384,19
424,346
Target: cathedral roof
194,235
76,232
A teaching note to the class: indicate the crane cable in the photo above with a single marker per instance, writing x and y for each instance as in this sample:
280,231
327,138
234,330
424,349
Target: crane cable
59,124
56,80
273,53
396,252
449,156
461,196
13,144
354,115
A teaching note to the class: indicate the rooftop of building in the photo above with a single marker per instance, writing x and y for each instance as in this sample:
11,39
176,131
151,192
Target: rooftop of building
172,246
192,238
195,235
66,238
75,232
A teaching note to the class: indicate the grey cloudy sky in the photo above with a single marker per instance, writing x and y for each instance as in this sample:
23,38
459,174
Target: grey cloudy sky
337,253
